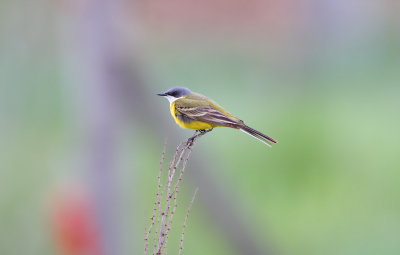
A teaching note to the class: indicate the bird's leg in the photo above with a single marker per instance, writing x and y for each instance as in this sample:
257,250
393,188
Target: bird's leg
198,133
204,131
191,139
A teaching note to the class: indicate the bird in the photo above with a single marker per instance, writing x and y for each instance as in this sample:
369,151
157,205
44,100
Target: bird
194,111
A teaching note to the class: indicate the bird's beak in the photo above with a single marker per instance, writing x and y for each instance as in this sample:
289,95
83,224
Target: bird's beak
161,94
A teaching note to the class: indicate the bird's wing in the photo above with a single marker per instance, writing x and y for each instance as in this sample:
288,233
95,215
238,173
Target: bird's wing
207,113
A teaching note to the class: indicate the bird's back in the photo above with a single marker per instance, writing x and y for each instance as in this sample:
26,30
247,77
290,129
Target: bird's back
198,100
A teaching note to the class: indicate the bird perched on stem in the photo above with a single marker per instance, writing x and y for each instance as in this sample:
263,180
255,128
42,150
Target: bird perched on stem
195,111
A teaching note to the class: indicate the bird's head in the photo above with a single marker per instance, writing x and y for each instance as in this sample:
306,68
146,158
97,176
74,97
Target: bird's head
175,93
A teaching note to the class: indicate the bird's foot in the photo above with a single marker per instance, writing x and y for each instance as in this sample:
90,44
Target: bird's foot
196,135
204,131
191,139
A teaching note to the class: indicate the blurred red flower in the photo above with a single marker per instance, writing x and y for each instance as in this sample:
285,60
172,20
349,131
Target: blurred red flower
73,222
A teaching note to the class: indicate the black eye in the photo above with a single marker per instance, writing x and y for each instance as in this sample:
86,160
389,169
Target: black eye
174,93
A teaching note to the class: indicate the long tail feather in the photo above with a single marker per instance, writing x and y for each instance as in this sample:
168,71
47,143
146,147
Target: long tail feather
258,135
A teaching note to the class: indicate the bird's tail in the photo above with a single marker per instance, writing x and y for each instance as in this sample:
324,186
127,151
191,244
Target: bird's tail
258,135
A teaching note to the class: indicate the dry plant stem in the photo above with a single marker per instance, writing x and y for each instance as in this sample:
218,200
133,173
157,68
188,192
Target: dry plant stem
157,203
166,224
185,221
164,214
159,197
156,247
162,218
175,194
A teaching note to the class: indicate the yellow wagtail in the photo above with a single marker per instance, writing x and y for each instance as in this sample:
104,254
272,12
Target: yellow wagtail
195,111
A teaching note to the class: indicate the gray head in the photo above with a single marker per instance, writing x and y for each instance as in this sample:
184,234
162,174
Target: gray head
175,93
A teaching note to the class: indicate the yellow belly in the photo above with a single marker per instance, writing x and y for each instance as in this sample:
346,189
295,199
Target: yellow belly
191,125
194,124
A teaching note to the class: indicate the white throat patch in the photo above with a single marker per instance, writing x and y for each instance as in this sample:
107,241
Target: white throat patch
171,99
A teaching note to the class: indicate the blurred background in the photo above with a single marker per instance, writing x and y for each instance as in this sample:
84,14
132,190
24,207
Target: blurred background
82,131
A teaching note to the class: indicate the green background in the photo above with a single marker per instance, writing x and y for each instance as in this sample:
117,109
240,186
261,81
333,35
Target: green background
323,80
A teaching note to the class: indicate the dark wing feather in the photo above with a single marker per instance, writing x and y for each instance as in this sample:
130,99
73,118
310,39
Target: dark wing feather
209,115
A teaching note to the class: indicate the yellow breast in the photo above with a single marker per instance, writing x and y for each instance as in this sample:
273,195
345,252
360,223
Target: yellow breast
192,124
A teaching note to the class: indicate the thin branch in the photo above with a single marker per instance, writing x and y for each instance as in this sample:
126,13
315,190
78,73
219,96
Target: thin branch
157,203
175,194
185,221
162,216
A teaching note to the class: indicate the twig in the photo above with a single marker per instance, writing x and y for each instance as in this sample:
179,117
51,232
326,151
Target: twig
162,217
164,214
185,221
158,202
175,194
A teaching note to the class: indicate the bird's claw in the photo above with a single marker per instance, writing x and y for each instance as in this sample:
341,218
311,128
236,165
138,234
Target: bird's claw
197,134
